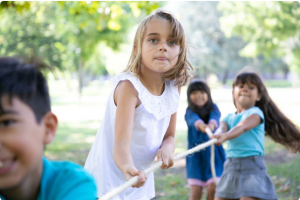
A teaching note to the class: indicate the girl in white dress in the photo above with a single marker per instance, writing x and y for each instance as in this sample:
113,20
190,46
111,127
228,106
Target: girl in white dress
140,116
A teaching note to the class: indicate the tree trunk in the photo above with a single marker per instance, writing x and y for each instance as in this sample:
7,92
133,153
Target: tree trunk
286,70
80,77
68,79
225,76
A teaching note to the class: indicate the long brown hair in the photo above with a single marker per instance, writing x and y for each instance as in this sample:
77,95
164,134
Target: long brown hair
181,70
277,125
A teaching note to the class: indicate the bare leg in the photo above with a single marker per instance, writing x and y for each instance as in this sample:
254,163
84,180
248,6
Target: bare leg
196,192
218,198
211,189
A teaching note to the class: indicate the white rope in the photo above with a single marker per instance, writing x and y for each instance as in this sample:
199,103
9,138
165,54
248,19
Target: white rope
154,167
212,156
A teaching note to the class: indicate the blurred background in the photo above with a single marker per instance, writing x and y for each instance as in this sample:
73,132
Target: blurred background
89,42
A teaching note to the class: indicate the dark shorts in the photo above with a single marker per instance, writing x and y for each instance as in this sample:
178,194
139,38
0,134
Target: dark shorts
246,177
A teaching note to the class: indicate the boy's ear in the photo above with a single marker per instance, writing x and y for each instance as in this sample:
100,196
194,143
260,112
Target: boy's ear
50,124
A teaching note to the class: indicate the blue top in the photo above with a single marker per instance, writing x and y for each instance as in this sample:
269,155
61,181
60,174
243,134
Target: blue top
250,143
191,117
198,164
62,180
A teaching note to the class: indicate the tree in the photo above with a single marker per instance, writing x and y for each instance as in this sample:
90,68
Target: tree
29,32
66,34
271,28
87,24
217,53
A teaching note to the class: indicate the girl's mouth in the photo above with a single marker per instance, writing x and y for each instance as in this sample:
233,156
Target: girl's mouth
161,58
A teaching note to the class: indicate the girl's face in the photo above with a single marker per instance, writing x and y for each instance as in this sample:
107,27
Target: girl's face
245,95
199,98
159,51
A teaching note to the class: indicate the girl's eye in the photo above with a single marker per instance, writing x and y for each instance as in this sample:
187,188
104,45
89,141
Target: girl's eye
241,86
172,43
6,123
153,40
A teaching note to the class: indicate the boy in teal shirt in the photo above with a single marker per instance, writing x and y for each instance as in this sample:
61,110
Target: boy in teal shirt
26,126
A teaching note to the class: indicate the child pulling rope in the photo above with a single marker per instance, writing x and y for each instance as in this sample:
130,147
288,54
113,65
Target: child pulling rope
155,166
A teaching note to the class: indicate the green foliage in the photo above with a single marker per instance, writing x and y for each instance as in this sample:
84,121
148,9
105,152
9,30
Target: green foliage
271,28
217,54
29,32
19,6
66,34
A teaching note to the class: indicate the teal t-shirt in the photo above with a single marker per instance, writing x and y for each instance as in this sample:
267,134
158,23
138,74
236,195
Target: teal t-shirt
250,143
62,180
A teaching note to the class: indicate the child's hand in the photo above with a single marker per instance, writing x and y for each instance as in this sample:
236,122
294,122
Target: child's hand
220,138
130,172
166,156
202,127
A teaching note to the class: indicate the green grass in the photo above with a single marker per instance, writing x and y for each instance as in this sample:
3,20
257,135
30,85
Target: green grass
72,142
171,184
80,118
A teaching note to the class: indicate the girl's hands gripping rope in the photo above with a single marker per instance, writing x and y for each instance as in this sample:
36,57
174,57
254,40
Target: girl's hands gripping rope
220,138
131,172
165,155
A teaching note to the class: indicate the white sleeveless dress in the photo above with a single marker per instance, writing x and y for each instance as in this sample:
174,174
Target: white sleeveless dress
151,121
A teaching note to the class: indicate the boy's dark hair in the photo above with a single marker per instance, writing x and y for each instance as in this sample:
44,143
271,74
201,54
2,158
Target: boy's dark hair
204,111
25,81
277,125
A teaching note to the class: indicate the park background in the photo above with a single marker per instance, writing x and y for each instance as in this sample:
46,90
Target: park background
89,42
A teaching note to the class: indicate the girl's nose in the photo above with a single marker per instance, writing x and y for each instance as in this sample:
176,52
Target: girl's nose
163,47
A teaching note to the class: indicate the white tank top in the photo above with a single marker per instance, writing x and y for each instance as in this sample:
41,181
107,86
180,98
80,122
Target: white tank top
151,121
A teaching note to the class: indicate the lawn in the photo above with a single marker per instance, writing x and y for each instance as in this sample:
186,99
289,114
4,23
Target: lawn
79,119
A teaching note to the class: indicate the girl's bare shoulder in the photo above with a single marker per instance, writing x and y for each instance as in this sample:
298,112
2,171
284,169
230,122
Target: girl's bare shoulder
125,91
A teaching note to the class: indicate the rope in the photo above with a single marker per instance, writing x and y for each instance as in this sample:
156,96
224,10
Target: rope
212,155
156,165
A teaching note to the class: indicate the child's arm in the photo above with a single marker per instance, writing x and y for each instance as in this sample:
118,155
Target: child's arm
126,98
223,128
214,118
191,117
193,120
249,123
165,153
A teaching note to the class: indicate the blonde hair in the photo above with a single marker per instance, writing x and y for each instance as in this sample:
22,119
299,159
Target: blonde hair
180,71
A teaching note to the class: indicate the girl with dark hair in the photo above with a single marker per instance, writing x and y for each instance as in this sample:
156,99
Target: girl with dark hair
202,113
245,175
